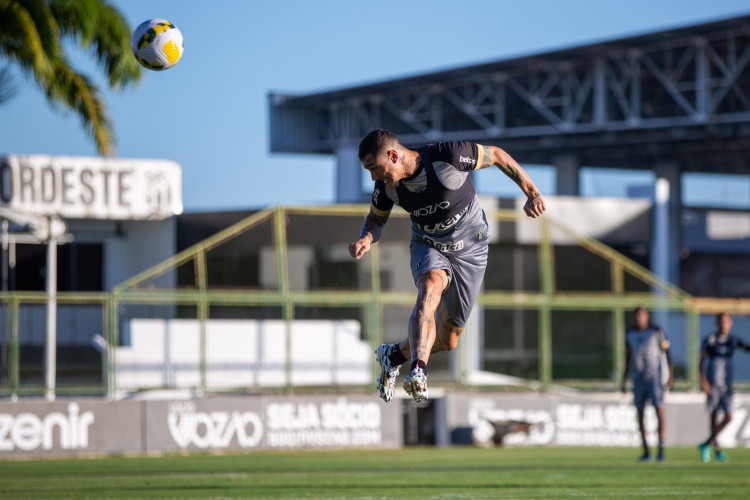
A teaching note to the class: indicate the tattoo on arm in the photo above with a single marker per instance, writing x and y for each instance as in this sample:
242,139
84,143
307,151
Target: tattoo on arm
511,172
486,158
374,225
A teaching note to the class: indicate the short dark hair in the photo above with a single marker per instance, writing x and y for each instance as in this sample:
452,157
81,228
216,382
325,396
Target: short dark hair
376,141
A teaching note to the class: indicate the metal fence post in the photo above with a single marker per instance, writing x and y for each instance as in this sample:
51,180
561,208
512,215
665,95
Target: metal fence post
282,272
50,353
374,309
200,269
112,343
14,361
693,341
618,324
547,274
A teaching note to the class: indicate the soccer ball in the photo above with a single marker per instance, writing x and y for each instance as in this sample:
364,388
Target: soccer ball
157,44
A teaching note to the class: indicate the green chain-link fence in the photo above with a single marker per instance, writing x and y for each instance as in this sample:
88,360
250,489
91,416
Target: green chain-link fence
243,309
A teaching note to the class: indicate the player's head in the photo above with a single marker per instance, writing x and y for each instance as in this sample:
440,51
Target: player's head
724,322
382,155
377,142
640,314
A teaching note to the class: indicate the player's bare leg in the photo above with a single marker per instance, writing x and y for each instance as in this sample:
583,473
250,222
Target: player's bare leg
661,418
446,337
448,332
423,330
716,428
705,447
642,429
392,356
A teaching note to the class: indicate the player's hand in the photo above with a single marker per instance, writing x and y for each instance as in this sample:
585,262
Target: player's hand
534,206
670,383
706,386
622,387
360,247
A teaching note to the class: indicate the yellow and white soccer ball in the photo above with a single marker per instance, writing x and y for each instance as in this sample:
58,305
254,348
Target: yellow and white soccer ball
157,44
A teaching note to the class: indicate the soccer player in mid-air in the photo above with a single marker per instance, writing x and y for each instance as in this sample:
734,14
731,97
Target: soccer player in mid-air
644,346
716,379
449,239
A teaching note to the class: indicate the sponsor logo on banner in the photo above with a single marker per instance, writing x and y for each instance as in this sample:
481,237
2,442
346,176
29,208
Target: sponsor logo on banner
27,431
91,187
566,424
482,412
339,423
214,429
595,424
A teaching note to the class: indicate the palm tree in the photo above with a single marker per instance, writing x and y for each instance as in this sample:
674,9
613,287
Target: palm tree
31,36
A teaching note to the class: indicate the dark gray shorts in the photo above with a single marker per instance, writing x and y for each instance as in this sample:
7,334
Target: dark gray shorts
719,399
463,254
647,390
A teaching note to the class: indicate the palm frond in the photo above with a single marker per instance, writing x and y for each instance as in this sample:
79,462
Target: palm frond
8,88
31,32
97,25
27,35
77,92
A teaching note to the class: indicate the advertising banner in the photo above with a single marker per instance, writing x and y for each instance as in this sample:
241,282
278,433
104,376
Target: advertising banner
91,187
333,422
91,426
272,422
586,420
70,427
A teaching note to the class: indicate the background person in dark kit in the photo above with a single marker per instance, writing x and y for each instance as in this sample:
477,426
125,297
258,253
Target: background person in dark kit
449,239
717,378
647,358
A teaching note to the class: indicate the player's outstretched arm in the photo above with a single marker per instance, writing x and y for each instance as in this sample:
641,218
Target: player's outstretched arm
626,372
670,382
664,344
702,370
371,231
534,206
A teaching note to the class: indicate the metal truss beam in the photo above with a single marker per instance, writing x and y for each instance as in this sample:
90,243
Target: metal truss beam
692,82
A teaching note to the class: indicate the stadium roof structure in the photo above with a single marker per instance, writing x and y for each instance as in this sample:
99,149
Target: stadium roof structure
678,95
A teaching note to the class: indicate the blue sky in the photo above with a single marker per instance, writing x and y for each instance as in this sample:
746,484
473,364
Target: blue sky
209,113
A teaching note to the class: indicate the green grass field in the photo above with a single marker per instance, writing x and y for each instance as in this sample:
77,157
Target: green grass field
406,473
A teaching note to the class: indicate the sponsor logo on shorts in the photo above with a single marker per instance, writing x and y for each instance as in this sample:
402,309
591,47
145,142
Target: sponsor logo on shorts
453,246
